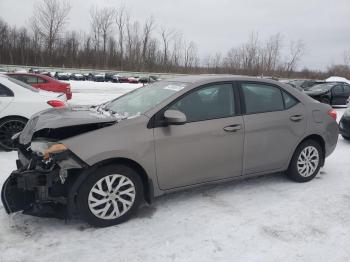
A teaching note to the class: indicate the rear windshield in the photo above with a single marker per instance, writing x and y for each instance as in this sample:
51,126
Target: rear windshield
22,84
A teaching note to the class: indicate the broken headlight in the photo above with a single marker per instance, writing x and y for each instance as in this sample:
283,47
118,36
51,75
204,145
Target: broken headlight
45,149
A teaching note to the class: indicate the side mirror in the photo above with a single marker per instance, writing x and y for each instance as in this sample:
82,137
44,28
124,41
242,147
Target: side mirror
174,117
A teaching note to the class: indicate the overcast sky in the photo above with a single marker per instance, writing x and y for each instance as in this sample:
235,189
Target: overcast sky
218,25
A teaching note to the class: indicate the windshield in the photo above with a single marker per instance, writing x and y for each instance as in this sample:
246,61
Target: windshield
143,99
22,84
323,87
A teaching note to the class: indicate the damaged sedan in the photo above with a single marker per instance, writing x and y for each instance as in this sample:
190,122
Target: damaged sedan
100,162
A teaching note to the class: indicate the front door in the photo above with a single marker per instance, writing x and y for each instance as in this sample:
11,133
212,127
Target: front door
209,146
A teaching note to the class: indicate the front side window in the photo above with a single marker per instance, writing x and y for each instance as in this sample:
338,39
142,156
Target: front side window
260,98
210,102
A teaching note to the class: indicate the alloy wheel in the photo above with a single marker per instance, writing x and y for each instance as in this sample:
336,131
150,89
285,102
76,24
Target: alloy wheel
111,196
308,161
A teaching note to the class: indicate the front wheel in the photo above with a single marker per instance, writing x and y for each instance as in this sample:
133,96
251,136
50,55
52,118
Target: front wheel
8,128
110,195
306,161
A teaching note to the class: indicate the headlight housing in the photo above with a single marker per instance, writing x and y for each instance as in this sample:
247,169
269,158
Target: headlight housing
45,149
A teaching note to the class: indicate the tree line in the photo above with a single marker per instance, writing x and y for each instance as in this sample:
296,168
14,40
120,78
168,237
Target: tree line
116,41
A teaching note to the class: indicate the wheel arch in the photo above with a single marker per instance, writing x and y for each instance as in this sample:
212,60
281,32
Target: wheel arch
319,139
147,182
13,116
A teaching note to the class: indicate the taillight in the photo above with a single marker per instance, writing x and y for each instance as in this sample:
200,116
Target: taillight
56,103
332,113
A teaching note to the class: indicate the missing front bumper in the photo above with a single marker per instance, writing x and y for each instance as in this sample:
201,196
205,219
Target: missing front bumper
15,198
28,191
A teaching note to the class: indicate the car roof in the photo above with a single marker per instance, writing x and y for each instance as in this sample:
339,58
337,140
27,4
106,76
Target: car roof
32,74
202,79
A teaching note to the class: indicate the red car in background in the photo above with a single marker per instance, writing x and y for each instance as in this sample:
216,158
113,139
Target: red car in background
43,82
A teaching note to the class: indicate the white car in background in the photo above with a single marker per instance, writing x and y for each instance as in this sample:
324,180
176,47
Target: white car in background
18,102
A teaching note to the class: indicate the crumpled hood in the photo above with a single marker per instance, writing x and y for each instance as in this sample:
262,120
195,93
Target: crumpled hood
315,92
60,123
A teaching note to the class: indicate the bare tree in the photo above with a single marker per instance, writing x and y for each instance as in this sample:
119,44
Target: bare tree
270,54
166,35
347,57
95,24
191,56
147,30
296,50
177,49
121,18
49,19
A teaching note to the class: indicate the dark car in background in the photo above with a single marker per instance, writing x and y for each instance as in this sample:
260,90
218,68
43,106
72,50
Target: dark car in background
99,77
344,124
303,84
43,82
111,77
330,93
62,76
77,76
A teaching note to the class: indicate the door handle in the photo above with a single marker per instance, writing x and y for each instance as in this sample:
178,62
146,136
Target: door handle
232,128
297,118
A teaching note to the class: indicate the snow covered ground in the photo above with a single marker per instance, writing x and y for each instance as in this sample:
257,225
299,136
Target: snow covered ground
89,92
261,219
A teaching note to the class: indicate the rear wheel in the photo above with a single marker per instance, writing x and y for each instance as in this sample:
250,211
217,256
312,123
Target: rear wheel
110,195
306,161
8,128
346,137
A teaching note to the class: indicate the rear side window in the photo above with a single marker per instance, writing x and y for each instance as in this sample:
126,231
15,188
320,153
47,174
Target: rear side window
5,92
31,79
41,80
260,98
22,84
289,101
346,89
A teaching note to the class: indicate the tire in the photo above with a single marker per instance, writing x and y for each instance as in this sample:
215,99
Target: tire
114,208
9,127
346,137
301,171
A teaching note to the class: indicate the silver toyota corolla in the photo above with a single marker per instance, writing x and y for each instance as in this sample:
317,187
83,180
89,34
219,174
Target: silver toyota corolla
100,162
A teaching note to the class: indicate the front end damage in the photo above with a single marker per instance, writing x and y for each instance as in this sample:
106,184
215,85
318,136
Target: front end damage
48,174
41,187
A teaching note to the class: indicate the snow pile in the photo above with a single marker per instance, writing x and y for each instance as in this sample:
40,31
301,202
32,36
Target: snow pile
337,79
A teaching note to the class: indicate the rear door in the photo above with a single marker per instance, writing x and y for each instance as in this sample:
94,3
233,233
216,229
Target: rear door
274,122
209,146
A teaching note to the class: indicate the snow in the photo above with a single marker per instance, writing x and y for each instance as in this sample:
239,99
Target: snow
337,79
89,92
267,218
